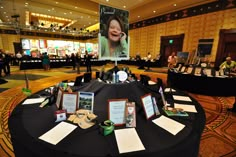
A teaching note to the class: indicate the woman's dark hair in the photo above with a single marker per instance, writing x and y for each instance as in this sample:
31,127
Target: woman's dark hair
114,17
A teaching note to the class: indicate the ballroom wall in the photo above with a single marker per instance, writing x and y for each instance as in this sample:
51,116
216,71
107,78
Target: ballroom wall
205,26
147,39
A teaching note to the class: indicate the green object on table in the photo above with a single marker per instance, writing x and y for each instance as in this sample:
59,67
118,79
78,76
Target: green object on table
107,127
26,91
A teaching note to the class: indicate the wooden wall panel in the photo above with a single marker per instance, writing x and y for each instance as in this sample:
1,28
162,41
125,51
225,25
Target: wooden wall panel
206,26
7,42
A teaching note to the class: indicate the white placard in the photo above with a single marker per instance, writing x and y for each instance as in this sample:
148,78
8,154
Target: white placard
148,105
57,133
128,140
117,111
169,125
33,101
182,98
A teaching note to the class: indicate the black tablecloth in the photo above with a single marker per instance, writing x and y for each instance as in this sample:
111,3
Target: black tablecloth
28,122
214,86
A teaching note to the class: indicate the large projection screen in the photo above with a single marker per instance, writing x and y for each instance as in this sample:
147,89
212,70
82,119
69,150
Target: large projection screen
113,36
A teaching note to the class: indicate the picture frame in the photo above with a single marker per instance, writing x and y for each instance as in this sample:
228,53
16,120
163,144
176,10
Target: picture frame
189,70
148,105
69,102
116,111
59,98
130,114
86,100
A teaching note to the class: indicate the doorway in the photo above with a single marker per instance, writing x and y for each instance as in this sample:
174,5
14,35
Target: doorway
170,44
226,46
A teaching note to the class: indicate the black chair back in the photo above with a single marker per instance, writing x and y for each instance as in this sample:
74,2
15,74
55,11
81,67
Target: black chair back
144,79
87,77
78,80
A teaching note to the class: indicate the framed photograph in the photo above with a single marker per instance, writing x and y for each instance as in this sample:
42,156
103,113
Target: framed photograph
190,69
69,102
148,105
183,69
130,114
86,100
59,97
197,71
116,111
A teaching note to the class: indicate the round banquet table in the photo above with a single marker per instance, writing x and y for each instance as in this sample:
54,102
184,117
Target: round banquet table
28,122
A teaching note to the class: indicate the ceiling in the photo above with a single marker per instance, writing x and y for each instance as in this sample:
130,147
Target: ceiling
80,14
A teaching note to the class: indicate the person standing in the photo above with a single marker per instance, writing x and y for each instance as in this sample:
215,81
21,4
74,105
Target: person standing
172,60
78,60
87,58
73,60
149,58
46,61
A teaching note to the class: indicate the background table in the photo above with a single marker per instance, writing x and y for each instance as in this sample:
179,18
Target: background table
214,86
28,122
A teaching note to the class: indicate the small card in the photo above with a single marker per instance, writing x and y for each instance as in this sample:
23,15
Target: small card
130,114
60,115
148,105
182,98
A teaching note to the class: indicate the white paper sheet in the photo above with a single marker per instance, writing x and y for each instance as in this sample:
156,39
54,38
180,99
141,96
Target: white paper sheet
169,89
33,101
186,107
57,133
128,140
168,124
182,98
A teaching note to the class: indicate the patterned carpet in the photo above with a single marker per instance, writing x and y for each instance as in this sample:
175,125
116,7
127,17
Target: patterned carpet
218,138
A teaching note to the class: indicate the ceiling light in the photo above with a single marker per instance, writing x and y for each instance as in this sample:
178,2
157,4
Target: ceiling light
124,6
175,5
154,11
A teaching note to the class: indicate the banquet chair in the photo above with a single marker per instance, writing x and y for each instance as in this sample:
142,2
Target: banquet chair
78,80
144,79
87,77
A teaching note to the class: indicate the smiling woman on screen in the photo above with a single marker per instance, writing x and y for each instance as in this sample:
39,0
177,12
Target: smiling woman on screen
114,43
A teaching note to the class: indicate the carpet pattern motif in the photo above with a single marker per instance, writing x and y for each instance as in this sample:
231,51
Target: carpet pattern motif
218,138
